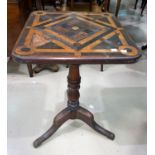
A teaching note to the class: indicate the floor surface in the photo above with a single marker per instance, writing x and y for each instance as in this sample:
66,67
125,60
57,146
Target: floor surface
116,96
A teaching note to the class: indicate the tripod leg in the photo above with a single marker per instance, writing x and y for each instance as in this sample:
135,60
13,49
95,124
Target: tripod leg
60,118
88,118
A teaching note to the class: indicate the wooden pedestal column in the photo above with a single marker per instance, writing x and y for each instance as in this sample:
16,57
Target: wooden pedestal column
73,110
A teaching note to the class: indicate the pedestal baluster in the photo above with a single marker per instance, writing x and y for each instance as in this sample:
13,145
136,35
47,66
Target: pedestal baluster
73,110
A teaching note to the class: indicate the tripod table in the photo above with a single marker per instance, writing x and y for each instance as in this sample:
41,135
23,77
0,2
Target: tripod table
74,38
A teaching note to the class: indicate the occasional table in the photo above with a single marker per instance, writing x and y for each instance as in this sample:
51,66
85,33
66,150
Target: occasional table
74,38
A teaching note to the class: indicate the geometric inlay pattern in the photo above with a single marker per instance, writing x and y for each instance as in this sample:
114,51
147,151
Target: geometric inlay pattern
74,34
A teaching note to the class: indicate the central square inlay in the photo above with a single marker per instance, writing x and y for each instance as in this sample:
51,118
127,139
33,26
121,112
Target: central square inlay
75,28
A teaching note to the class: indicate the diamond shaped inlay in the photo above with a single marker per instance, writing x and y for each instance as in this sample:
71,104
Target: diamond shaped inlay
81,34
74,29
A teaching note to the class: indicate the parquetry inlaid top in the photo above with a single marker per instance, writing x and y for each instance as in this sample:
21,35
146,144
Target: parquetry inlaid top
73,37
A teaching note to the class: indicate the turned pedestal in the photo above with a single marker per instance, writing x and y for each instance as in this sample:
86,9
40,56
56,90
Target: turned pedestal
73,110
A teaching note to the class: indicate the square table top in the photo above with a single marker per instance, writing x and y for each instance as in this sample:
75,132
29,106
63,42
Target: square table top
74,38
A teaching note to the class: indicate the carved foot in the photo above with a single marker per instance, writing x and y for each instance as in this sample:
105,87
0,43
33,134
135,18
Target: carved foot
88,118
103,131
60,118
45,136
